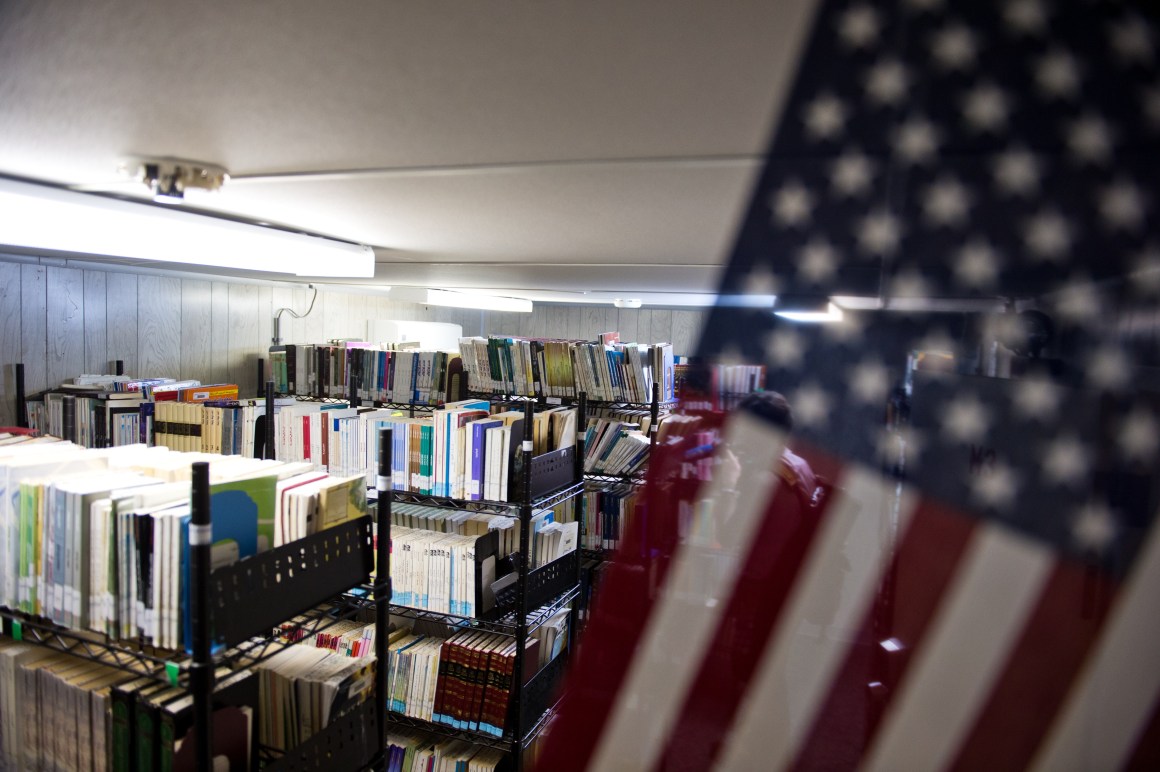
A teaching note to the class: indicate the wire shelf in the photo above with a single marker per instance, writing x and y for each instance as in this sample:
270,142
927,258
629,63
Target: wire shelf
505,625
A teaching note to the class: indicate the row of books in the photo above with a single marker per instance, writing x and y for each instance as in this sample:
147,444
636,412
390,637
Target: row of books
412,750
713,380
380,374
202,418
98,539
534,367
464,681
467,450
546,534
613,447
347,637
450,564
61,712
302,689
607,513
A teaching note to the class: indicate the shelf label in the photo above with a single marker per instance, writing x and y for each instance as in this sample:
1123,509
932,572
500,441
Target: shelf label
17,630
172,671
528,446
200,535
554,400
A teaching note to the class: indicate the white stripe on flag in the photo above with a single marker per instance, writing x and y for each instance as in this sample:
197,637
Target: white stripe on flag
1107,708
796,672
682,625
985,610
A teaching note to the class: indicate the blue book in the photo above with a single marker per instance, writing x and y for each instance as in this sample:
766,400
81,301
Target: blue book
477,445
235,511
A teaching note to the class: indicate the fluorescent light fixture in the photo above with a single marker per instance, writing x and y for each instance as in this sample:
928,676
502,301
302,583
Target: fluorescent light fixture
626,302
807,308
438,297
42,217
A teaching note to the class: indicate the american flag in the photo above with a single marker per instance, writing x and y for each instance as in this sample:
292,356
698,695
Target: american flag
980,588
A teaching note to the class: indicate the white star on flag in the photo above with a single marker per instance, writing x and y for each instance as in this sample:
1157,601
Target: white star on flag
1025,17
1057,75
966,419
792,205
1139,436
916,141
1089,140
785,348
1048,236
1017,172
825,117
859,26
879,233
923,5
996,486
977,265
760,282
1131,40
1078,303
1037,397
1122,206
817,261
945,202
1151,102
887,82
869,381
1146,271
811,406
1093,527
954,48
985,108
1065,462
909,284
1109,369
905,445
851,173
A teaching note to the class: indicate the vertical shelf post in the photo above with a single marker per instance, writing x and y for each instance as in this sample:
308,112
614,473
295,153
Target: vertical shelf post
581,433
201,668
382,580
352,383
261,371
525,568
21,401
269,425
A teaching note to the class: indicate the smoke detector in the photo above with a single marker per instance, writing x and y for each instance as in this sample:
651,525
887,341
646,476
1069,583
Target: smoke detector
169,178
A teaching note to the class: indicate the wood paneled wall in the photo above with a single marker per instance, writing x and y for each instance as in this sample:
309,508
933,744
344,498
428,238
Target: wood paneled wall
61,322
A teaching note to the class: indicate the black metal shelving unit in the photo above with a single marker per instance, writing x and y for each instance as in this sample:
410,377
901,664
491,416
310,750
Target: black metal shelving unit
547,480
234,613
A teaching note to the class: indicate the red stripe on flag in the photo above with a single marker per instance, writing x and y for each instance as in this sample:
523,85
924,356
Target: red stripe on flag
919,575
1146,755
623,607
778,552
1042,666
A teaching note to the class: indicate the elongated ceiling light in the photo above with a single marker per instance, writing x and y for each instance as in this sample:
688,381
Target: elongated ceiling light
816,310
42,217
438,297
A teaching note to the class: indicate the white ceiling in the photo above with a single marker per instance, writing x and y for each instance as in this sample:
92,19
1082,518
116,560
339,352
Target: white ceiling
578,146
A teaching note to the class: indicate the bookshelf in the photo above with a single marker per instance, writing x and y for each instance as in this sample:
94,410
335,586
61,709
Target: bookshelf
233,610
538,594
